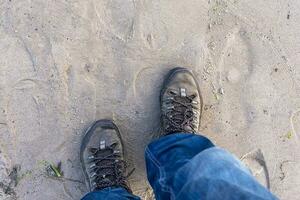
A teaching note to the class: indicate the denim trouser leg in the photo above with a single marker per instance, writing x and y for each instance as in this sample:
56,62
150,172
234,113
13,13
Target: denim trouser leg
189,167
110,194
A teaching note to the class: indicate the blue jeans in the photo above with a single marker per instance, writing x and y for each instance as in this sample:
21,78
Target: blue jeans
189,167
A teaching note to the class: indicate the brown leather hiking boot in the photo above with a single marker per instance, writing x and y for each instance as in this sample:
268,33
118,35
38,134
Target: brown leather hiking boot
102,157
181,102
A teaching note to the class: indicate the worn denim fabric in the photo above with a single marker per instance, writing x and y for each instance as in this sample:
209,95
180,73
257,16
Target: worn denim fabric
189,167
110,194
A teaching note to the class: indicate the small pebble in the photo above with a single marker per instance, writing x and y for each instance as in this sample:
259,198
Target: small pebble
221,91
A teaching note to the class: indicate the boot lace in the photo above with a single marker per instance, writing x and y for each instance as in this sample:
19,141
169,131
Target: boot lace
181,112
107,169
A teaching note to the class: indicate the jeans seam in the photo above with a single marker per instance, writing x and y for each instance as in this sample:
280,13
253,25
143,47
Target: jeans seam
162,173
167,188
152,158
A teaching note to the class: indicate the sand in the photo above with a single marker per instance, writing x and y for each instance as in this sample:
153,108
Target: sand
66,63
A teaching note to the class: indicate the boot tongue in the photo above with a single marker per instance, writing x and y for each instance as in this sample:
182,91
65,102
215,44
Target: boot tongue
107,174
102,145
182,92
108,137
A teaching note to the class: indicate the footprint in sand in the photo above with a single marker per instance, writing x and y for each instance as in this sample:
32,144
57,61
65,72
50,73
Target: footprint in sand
255,161
295,124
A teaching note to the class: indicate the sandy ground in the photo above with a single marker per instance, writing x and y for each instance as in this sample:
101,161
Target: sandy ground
66,63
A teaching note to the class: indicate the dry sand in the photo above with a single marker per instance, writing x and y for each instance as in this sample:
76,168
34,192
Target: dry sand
66,63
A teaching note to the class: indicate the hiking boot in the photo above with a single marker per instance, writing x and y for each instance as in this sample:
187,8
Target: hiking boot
181,102
102,157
